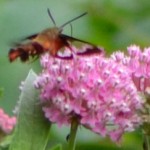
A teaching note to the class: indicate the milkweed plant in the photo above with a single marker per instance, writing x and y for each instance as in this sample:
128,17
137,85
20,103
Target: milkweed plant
109,95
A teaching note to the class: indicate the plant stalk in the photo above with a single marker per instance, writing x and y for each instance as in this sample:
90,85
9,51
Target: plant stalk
146,142
72,136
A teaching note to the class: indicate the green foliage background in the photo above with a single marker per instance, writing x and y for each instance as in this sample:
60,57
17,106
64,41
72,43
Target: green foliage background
113,24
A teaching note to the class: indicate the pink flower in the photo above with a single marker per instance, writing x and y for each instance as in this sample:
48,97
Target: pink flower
95,89
138,62
6,123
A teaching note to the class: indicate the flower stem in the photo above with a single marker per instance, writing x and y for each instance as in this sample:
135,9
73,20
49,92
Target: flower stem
72,136
146,142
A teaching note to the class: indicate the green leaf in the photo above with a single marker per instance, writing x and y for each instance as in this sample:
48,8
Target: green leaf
4,144
5,140
57,147
32,129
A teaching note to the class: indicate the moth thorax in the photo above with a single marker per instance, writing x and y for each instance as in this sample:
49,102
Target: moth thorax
53,32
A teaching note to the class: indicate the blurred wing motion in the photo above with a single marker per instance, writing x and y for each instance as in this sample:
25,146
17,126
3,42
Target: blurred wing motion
49,40
30,37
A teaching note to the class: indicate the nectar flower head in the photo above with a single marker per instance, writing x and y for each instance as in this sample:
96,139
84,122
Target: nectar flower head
138,62
6,123
95,89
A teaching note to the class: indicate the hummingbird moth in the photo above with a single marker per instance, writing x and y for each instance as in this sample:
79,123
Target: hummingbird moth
49,40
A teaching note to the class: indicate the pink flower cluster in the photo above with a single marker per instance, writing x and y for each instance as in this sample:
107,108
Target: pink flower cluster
6,123
95,89
138,61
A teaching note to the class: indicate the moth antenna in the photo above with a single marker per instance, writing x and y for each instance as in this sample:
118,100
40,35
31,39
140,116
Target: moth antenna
73,20
71,29
51,17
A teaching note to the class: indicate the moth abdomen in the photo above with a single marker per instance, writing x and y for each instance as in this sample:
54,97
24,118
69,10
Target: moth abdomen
24,51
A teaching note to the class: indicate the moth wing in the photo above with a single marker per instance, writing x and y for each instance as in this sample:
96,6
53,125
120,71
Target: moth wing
23,40
70,38
30,37
90,49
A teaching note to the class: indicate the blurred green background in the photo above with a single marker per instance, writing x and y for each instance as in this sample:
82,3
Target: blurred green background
112,24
